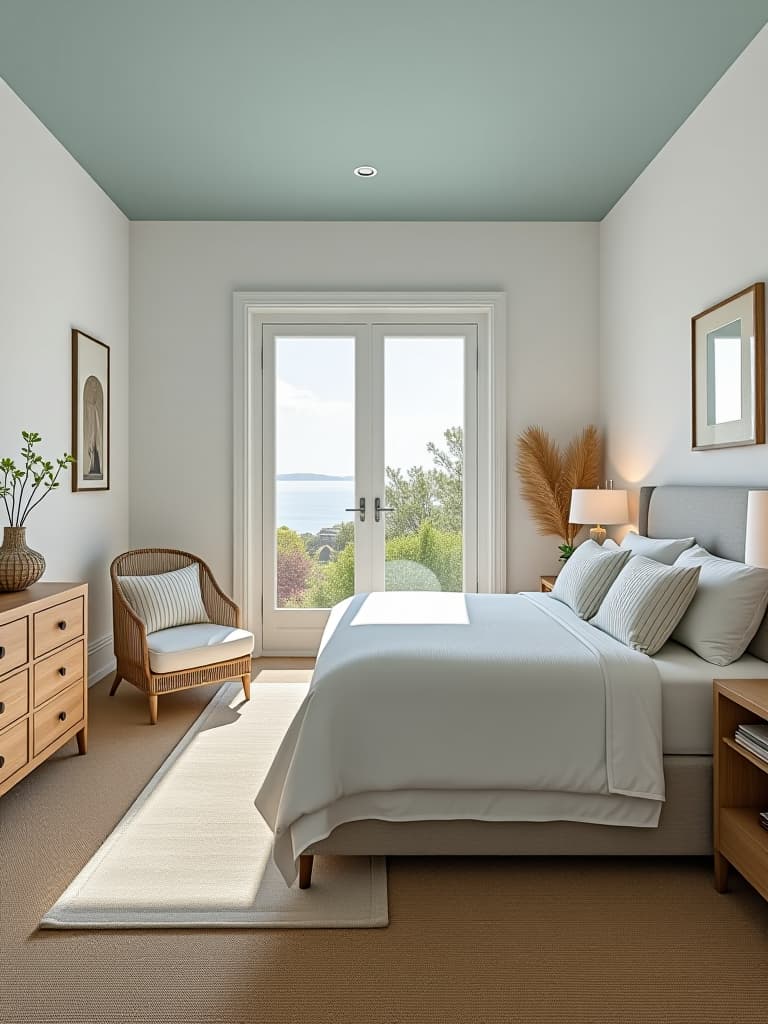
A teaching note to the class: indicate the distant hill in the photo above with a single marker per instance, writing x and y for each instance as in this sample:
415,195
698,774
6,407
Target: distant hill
310,476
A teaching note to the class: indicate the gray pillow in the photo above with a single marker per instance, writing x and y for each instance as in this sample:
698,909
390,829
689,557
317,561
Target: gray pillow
646,603
728,608
665,551
587,576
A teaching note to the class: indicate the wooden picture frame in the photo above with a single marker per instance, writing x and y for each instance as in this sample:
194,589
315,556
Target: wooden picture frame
91,413
728,372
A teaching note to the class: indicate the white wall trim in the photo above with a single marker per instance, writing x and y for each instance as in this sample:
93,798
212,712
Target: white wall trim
252,309
101,659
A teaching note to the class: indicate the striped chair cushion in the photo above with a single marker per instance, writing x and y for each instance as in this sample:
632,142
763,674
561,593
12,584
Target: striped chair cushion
167,599
646,602
587,576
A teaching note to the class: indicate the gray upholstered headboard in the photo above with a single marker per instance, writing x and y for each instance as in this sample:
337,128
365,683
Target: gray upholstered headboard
715,516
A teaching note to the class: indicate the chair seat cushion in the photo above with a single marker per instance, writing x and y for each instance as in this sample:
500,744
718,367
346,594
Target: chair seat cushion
204,643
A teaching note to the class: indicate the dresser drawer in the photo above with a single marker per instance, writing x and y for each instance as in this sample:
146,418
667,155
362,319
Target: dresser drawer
14,749
58,671
58,716
56,626
14,698
13,645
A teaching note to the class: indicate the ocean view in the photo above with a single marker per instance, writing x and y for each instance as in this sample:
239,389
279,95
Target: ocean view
306,506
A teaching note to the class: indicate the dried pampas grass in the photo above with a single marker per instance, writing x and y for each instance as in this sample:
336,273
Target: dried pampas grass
548,475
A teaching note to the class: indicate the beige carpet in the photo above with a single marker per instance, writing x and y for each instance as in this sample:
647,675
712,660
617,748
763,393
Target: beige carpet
193,851
475,941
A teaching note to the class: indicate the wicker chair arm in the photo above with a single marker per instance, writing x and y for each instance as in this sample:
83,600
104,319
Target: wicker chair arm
221,609
130,633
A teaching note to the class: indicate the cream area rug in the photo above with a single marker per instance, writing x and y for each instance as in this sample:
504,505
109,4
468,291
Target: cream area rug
193,851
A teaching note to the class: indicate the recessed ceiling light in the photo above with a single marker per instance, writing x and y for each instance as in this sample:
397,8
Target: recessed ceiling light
365,171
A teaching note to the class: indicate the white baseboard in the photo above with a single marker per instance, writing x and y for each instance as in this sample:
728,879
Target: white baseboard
101,659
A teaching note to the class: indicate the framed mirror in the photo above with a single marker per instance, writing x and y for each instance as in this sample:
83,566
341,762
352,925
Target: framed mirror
728,372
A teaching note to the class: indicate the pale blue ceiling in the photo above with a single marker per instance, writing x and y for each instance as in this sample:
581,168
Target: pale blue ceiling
471,110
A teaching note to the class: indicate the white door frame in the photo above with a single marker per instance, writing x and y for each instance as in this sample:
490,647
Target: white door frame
253,309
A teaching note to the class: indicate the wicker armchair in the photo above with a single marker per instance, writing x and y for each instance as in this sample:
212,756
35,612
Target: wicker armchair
130,635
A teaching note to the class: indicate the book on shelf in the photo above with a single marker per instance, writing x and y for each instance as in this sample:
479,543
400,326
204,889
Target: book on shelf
757,732
753,746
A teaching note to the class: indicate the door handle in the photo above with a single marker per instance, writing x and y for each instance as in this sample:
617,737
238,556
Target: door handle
360,509
378,508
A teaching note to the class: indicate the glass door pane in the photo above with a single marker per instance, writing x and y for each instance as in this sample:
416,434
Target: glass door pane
314,470
424,460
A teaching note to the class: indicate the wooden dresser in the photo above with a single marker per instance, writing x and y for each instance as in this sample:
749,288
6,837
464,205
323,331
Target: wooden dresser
43,675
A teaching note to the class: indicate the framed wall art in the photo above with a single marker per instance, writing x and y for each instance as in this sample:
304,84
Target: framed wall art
90,413
728,371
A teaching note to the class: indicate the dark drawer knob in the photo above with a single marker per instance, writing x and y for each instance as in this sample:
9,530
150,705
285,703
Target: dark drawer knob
62,671
2,706
62,716
62,624
2,652
2,760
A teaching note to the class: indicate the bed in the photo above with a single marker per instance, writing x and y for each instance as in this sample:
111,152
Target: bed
397,786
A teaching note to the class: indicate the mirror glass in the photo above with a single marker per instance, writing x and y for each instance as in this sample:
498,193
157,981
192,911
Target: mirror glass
724,370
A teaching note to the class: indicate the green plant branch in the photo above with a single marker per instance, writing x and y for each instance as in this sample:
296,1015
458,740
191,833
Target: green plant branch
50,485
39,470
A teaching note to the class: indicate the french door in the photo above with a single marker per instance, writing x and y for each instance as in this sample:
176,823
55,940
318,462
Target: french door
370,435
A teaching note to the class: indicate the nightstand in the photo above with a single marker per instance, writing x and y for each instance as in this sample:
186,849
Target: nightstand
547,583
740,784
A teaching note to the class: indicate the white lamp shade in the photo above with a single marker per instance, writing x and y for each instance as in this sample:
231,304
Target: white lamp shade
756,550
604,507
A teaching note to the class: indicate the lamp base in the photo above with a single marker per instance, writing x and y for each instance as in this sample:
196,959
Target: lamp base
598,534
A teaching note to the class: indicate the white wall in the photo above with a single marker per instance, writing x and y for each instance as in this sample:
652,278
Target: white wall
64,262
182,279
692,230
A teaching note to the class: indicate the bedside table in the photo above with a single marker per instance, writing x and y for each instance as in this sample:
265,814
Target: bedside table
740,784
546,583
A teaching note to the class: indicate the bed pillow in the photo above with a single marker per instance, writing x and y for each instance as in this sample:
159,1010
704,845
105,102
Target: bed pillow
586,577
664,551
727,610
167,599
646,602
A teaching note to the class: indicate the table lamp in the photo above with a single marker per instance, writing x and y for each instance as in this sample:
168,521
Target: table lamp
600,507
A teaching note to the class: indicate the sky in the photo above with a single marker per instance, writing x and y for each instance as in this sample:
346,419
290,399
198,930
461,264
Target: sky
424,395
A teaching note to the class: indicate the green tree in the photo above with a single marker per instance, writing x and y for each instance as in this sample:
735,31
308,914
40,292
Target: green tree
346,535
333,582
435,495
438,551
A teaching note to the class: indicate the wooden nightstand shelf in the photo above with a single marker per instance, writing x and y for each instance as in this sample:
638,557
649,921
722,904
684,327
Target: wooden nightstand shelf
740,784
547,583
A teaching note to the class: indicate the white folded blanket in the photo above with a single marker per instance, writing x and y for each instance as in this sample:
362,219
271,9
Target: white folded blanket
463,694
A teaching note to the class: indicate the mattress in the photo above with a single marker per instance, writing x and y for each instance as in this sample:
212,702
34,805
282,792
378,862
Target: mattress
686,695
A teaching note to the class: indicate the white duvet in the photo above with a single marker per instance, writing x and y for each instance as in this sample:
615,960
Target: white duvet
489,707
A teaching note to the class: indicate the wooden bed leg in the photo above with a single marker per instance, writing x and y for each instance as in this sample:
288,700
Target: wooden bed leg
305,870
247,685
113,691
152,708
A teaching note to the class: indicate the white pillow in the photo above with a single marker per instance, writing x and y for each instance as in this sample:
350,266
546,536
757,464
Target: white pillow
166,599
665,551
646,602
728,607
587,576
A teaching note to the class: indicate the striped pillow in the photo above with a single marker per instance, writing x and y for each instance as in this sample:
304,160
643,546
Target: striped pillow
167,599
587,576
646,602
